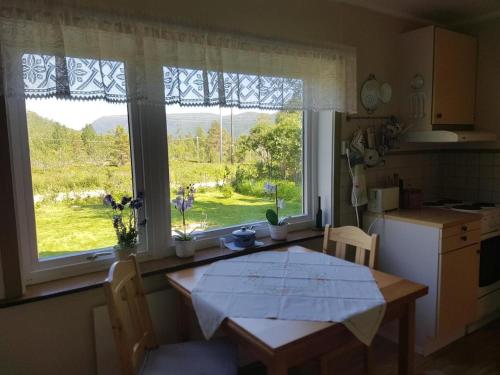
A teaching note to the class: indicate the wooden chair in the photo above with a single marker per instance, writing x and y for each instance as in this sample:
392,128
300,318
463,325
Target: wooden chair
366,247
355,237
135,339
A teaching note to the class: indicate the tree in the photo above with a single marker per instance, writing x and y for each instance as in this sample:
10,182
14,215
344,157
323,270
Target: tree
213,143
276,148
89,138
120,153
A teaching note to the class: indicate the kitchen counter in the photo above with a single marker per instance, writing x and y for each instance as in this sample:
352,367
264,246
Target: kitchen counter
432,217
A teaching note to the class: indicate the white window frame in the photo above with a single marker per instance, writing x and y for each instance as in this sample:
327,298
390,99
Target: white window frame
149,157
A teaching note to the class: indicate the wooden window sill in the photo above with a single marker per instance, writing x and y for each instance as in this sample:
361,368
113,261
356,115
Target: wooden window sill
93,280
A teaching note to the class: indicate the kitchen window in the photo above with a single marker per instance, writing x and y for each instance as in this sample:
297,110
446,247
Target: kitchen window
74,152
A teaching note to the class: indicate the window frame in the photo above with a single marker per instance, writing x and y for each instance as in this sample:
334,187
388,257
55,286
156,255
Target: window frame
211,237
150,174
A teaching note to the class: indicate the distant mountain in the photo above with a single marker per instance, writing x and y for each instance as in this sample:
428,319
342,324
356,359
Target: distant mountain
188,123
107,124
39,126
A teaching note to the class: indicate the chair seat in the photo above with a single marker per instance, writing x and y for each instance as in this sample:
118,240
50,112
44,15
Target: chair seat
215,357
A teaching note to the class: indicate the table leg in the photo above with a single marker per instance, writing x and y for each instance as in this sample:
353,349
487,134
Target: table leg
367,359
277,368
407,341
183,322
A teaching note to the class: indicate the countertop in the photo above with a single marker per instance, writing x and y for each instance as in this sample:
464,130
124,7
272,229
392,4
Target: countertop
433,217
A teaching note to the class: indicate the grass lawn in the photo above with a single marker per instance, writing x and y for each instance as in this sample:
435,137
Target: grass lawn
63,228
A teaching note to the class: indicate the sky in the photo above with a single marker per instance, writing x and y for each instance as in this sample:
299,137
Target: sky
76,114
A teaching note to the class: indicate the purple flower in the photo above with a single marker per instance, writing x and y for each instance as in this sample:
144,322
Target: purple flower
269,188
108,198
120,206
117,220
125,200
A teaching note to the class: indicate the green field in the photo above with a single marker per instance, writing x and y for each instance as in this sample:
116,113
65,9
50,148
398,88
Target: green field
73,169
64,228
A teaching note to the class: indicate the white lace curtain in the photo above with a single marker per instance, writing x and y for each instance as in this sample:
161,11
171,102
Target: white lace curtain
49,51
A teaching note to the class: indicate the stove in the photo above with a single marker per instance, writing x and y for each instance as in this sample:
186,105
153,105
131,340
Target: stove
489,261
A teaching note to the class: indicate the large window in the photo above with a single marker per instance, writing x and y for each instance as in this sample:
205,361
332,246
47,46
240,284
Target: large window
69,154
229,154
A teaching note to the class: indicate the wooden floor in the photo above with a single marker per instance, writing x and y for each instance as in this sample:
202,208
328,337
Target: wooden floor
475,354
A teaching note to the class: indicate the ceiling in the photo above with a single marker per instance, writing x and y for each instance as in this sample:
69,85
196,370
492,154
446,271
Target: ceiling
447,12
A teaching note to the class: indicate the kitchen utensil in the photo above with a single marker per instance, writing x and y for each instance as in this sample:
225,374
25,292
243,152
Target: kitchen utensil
371,157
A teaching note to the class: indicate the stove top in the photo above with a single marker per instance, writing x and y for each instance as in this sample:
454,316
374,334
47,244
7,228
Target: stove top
489,211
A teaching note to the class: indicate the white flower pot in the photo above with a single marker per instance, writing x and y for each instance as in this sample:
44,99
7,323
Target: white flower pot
122,253
278,232
184,249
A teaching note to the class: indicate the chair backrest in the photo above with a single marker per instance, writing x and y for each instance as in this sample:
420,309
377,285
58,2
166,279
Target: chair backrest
129,314
355,237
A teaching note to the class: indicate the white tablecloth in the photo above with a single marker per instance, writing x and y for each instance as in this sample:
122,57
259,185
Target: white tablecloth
290,285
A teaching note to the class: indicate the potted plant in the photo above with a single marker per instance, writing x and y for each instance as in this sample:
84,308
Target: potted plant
125,224
184,240
278,228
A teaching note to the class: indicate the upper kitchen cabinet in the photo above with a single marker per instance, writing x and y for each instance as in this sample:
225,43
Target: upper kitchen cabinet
454,83
438,79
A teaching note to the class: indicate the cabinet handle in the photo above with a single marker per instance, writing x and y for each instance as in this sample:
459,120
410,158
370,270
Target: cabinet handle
439,115
465,228
463,238
478,251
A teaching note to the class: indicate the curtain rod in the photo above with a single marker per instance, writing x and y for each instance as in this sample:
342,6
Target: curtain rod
355,117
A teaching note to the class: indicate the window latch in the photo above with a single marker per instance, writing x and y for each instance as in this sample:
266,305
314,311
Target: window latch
94,256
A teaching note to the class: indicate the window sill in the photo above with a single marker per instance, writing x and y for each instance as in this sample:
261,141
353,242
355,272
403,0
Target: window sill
93,280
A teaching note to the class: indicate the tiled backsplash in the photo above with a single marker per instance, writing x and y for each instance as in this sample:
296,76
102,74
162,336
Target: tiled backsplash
473,176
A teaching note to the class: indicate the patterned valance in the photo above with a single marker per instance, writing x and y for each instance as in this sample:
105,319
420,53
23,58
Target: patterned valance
77,54
73,78
202,88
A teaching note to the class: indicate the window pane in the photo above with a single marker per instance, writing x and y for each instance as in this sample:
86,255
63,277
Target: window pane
229,168
79,151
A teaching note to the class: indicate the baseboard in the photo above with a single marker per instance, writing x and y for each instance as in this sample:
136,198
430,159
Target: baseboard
483,321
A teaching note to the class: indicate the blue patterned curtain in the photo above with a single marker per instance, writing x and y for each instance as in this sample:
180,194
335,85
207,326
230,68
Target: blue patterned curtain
89,79
73,78
206,88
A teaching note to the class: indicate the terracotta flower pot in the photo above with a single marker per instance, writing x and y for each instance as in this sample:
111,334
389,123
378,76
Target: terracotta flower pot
278,232
184,249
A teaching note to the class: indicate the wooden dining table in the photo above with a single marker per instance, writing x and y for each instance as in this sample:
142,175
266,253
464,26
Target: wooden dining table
282,344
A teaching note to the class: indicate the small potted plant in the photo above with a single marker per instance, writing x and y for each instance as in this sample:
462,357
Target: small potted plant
125,224
184,240
278,228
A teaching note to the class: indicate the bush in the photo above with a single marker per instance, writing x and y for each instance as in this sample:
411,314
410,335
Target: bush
227,191
289,190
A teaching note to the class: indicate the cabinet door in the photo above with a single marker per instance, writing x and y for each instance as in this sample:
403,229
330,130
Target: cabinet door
454,86
459,280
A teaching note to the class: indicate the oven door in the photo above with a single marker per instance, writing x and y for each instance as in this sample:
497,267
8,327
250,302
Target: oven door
489,265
